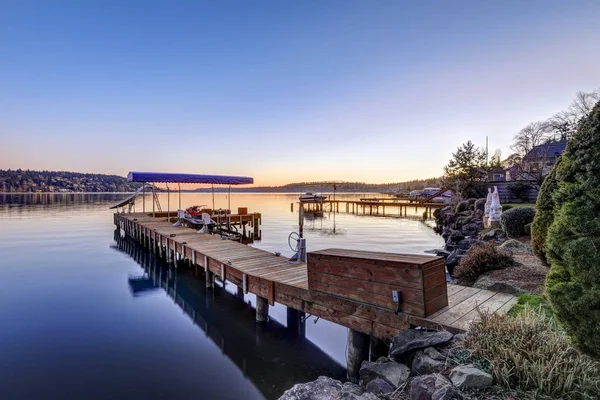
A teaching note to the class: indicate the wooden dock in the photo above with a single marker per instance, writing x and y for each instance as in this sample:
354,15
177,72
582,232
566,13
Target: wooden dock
371,206
274,279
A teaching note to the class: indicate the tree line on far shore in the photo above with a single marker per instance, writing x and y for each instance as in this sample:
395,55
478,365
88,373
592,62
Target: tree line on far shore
24,181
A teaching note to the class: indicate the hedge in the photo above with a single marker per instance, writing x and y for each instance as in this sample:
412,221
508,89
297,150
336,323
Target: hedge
545,213
573,241
514,220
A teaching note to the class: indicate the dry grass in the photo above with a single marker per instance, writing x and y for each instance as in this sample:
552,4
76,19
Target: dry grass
531,352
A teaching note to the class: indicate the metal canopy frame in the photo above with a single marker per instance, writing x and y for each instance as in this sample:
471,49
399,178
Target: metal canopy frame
166,178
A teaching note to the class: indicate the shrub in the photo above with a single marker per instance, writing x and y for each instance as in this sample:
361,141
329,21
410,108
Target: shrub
480,204
471,201
479,259
506,207
519,189
573,240
514,220
462,206
531,301
545,213
532,352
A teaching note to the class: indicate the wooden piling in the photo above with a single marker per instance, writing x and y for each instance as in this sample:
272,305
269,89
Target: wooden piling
262,309
210,279
358,351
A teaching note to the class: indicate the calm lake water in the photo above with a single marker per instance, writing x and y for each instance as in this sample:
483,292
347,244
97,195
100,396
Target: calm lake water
71,327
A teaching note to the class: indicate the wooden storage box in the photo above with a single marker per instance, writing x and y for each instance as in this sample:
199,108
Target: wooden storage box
242,210
370,277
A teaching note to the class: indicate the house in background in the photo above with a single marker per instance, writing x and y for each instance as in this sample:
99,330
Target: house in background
496,174
537,163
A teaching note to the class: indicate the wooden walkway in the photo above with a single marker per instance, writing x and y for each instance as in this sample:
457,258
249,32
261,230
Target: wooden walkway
274,278
371,206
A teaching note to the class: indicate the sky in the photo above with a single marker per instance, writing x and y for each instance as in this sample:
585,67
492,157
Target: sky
283,91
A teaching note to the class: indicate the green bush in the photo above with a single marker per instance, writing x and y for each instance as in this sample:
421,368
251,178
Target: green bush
514,220
506,207
462,206
573,241
545,213
480,204
479,259
519,189
531,301
471,201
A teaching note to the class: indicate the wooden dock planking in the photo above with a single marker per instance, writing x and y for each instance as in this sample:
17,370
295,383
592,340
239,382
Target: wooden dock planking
274,278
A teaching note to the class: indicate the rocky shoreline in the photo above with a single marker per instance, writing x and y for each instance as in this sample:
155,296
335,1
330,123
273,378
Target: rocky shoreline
420,365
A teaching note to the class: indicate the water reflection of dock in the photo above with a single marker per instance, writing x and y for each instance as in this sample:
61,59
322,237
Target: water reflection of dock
272,356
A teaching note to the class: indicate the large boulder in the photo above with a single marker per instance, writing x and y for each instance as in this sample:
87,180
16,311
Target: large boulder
385,369
428,361
470,229
379,386
410,340
455,236
324,388
469,377
352,391
432,387
452,261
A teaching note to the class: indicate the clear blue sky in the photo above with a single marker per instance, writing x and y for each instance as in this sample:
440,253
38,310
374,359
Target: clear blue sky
284,91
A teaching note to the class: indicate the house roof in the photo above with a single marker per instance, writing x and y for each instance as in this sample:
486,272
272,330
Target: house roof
549,150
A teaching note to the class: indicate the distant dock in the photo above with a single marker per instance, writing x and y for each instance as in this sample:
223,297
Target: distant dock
372,206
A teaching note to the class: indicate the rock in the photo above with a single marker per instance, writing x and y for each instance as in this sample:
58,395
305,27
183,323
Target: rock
445,233
352,391
392,372
469,377
516,246
455,236
424,364
432,387
491,234
485,281
411,340
470,229
465,244
452,261
459,337
434,354
323,388
379,386
350,388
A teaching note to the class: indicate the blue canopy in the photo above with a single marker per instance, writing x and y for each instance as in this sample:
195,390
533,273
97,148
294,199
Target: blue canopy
160,177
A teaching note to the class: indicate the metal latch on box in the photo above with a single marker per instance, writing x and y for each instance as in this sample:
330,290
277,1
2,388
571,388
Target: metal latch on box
397,298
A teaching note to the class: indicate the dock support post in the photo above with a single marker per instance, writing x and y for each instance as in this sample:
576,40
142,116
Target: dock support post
262,309
358,351
295,322
210,279
240,293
